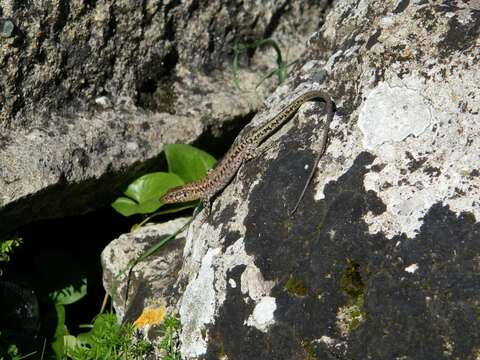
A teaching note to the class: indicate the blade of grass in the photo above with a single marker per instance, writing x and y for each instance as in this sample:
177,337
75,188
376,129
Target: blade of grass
236,51
152,250
272,43
163,212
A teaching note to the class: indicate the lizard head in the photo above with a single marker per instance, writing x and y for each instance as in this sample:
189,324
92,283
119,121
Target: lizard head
178,195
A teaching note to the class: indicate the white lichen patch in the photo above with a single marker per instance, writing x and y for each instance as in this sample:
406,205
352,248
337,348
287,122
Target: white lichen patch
448,346
411,268
235,255
263,314
197,308
391,115
195,250
343,147
326,340
427,151
333,344
253,283
349,318
206,292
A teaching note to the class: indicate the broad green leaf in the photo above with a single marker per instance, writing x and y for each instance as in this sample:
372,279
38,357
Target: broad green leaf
128,207
151,186
188,162
143,194
69,294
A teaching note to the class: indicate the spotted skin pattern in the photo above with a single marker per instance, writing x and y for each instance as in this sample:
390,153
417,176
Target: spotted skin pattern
219,177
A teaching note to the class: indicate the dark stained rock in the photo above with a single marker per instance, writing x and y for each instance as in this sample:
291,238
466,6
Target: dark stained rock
20,315
382,258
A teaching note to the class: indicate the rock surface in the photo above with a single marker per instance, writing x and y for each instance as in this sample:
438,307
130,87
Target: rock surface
382,259
91,91
155,274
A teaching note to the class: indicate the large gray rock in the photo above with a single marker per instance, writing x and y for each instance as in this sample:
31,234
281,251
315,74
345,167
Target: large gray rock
156,273
91,91
151,282
381,260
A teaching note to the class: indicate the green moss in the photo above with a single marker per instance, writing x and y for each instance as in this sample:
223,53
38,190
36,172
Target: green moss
477,312
295,287
309,350
357,315
288,224
351,284
221,353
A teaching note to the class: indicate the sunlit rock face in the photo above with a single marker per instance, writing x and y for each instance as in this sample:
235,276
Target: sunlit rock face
381,259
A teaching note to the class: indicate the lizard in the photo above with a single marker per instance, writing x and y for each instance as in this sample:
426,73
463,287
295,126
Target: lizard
246,149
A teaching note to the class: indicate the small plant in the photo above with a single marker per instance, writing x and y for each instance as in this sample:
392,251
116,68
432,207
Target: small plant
106,340
185,164
280,71
295,286
169,343
353,314
6,248
11,352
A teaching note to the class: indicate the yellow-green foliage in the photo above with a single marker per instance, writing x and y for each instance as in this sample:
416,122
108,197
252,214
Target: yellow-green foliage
295,286
352,286
6,248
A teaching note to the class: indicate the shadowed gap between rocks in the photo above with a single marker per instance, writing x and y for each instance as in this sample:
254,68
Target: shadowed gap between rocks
70,245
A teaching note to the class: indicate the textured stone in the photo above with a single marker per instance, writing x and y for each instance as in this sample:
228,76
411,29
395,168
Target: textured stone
90,92
152,278
381,260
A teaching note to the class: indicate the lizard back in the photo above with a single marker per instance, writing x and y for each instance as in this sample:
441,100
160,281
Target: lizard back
227,167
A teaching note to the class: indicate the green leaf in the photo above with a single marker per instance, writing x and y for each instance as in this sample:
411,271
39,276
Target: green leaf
143,194
69,294
107,339
70,344
151,186
7,246
188,162
272,43
60,332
